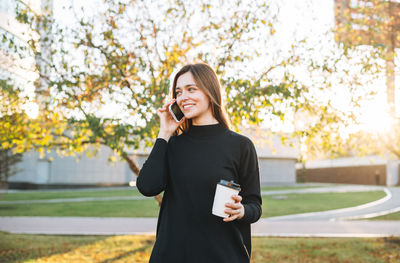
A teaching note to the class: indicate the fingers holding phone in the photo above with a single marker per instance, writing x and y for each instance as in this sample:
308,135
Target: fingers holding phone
164,108
170,118
176,112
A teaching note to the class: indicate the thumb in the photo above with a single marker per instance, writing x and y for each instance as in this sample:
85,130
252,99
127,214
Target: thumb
158,112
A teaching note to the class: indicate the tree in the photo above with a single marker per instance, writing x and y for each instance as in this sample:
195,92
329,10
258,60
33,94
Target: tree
7,166
125,53
11,117
374,25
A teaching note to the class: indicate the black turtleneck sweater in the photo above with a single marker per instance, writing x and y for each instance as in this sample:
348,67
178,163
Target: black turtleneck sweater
187,169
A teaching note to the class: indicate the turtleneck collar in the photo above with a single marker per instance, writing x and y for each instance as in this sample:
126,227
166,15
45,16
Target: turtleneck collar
206,130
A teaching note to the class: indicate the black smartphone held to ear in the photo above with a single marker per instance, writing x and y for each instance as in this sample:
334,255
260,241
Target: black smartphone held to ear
176,112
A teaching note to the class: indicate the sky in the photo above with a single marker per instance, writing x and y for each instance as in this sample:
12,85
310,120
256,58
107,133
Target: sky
310,20
297,20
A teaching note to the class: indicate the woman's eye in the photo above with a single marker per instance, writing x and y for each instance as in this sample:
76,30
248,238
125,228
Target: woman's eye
192,89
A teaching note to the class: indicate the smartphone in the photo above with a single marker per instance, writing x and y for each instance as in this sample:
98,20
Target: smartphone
176,112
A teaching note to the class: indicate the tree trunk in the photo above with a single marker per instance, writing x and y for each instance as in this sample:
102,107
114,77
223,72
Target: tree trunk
390,81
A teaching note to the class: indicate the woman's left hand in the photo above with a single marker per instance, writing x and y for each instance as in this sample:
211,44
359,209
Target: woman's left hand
236,210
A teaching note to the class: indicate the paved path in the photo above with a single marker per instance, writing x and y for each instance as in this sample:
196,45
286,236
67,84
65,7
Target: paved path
386,205
389,204
147,226
330,189
324,224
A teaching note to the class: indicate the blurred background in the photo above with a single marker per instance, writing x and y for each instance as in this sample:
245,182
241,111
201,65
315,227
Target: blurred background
313,83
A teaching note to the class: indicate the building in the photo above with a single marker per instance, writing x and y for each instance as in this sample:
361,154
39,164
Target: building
370,170
277,166
54,171
277,162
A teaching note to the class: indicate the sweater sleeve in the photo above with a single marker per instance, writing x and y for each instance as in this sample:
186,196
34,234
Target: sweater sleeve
153,175
249,180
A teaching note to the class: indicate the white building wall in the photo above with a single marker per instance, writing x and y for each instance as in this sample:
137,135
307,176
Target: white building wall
277,170
345,162
68,170
27,168
97,170
392,172
91,171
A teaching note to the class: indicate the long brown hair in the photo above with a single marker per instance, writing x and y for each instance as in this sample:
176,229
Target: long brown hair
206,79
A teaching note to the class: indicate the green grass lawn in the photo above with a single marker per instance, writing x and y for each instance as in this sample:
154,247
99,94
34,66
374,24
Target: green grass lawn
48,194
134,208
295,203
43,195
41,248
278,188
302,203
393,216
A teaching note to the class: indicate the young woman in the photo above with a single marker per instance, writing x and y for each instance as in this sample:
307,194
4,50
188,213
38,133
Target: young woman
187,161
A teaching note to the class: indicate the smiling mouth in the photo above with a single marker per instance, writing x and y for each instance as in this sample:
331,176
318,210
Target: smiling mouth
187,106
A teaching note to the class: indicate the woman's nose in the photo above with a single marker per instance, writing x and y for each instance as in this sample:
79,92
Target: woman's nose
183,95
180,98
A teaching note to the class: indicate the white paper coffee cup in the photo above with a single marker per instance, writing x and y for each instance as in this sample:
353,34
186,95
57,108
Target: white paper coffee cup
223,195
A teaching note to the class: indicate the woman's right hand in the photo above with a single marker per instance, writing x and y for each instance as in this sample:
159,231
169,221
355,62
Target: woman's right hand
167,123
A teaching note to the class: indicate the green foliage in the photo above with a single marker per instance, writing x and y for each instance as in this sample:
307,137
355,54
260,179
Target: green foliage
128,60
125,53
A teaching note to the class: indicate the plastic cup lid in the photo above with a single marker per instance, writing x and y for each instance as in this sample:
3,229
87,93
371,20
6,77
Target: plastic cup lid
230,184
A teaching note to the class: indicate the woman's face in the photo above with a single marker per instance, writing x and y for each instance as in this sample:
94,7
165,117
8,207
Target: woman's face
193,102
